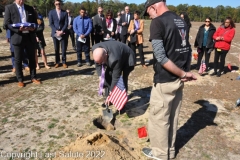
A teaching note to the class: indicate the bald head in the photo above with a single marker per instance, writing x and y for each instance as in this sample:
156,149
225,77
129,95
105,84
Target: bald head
98,55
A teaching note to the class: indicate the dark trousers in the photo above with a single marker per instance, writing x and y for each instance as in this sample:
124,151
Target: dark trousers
117,37
124,38
219,55
108,78
83,47
98,38
92,39
63,42
72,36
140,50
29,48
204,50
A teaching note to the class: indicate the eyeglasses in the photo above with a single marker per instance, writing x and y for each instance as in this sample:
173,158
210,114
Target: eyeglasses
207,21
57,4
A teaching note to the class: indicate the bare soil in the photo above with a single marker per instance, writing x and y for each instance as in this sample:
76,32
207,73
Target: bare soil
55,119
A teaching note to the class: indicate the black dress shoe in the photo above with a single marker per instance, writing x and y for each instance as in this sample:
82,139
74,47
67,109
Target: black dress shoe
213,74
218,74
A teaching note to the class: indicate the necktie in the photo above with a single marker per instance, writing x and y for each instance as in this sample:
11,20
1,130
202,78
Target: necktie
126,18
23,17
102,81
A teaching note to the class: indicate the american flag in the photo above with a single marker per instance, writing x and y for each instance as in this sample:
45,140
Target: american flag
202,67
118,96
18,25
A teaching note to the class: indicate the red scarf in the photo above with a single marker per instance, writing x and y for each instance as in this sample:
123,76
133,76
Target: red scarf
109,21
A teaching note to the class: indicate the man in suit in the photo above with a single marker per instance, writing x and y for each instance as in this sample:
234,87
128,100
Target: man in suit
58,21
23,38
124,22
70,31
118,58
97,25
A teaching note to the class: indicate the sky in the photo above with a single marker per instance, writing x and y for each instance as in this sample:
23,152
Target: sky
203,3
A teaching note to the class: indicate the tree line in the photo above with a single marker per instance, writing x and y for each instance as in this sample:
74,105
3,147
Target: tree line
196,13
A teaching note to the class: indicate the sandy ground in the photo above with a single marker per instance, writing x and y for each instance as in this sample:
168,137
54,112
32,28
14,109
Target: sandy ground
55,119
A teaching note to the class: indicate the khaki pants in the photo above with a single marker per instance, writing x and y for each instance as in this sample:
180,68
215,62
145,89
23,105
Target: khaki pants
165,104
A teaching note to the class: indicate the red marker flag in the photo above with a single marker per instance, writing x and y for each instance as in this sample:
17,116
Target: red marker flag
229,66
142,132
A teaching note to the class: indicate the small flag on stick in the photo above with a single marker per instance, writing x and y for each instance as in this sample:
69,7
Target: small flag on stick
202,67
118,96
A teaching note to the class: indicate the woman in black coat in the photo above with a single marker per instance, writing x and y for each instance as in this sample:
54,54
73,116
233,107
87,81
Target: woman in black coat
204,41
40,40
109,25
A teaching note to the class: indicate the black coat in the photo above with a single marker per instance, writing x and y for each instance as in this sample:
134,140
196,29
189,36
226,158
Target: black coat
120,57
40,30
12,16
199,38
97,23
106,31
125,27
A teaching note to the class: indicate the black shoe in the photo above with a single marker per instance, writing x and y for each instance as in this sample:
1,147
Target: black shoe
79,64
213,74
218,74
88,64
104,105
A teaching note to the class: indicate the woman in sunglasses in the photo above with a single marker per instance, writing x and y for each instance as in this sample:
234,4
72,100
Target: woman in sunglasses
109,26
204,42
223,38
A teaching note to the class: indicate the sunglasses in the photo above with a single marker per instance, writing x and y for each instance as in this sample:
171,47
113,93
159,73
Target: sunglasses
207,21
57,4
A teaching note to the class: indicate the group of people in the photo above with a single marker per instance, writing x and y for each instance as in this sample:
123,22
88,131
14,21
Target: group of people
209,39
171,49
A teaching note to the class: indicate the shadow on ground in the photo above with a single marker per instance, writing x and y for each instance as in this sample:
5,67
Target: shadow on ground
199,120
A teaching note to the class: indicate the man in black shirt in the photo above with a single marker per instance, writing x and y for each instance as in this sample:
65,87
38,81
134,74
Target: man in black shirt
172,53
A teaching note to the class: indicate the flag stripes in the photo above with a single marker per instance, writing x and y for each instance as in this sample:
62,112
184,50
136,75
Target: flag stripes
118,96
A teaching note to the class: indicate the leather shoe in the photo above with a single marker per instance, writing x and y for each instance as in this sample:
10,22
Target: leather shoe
213,74
56,65
64,65
35,81
20,84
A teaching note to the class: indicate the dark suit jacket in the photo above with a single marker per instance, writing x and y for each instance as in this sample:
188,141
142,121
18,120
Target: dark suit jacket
12,16
71,23
57,24
97,23
125,27
106,31
120,57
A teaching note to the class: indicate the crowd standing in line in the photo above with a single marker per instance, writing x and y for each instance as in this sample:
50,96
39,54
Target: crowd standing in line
111,54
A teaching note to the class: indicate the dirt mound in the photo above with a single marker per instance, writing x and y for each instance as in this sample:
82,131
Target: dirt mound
95,146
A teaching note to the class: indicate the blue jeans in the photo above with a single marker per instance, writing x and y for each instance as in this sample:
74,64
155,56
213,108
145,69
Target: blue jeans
83,47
